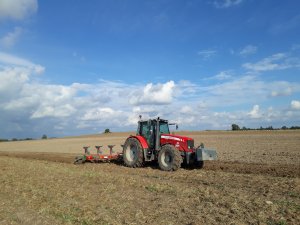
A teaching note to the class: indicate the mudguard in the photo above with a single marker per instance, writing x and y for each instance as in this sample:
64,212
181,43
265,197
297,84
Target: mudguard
142,140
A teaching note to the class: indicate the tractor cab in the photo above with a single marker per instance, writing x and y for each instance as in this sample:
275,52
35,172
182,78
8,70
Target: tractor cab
148,129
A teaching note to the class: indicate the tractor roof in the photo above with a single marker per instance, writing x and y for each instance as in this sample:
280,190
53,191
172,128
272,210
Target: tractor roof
162,120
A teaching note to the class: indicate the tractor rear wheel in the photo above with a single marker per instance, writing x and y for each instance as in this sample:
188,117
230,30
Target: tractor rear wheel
169,158
133,153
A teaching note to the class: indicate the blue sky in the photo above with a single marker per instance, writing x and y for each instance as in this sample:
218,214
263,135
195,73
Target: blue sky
75,67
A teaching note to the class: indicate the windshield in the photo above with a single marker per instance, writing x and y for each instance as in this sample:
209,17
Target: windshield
164,128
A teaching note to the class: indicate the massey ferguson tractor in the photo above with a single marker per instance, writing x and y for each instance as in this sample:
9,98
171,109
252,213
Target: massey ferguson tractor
153,142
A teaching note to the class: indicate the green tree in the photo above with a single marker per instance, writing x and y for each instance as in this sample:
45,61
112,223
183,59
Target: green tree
44,136
106,131
3,140
235,127
269,128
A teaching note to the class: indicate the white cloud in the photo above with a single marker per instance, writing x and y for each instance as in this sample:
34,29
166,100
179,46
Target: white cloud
239,90
223,75
101,114
17,9
81,106
279,61
53,111
187,109
286,89
43,100
8,59
248,50
29,107
49,100
255,113
146,111
247,88
226,3
11,38
154,94
295,105
12,82
206,54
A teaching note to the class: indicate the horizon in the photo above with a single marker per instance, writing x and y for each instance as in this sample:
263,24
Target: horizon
242,129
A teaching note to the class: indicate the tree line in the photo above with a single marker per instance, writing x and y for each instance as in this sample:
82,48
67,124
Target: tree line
22,139
44,136
237,127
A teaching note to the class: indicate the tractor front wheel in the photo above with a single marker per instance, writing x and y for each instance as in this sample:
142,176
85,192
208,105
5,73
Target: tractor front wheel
133,153
169,158
199,164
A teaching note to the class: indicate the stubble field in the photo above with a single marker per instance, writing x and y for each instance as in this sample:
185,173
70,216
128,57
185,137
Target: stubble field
256,180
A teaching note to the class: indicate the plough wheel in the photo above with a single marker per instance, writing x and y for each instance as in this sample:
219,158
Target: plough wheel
79,160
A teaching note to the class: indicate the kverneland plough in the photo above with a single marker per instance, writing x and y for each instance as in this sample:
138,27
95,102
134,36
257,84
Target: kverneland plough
99,156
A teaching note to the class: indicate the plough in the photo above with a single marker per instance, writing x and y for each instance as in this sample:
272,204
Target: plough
99,156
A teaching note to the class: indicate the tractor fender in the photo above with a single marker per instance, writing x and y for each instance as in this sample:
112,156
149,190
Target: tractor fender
142,140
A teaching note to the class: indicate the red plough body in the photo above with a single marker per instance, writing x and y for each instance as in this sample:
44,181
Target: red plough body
99,156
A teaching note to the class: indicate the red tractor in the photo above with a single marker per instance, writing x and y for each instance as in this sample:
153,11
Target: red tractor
153,142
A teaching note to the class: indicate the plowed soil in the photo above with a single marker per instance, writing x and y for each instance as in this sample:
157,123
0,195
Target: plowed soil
256,180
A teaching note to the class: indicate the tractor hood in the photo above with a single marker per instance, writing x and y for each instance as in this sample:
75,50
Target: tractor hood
175,137
180,142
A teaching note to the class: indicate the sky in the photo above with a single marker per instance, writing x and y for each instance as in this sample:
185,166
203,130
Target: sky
77,67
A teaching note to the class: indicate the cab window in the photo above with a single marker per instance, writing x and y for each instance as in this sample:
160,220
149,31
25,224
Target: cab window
164,128
144,129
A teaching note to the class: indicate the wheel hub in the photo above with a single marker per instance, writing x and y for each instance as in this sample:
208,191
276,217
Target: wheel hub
131,152
166,159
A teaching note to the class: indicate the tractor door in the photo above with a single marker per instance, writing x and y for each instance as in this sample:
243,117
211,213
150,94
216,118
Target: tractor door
147,131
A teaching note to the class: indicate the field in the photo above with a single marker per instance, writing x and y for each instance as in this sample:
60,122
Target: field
256,180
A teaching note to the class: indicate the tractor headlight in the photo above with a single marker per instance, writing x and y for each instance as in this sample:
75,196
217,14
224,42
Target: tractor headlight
190,144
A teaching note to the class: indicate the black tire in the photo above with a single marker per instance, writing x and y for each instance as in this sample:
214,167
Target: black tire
169,158
199,164
133,153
